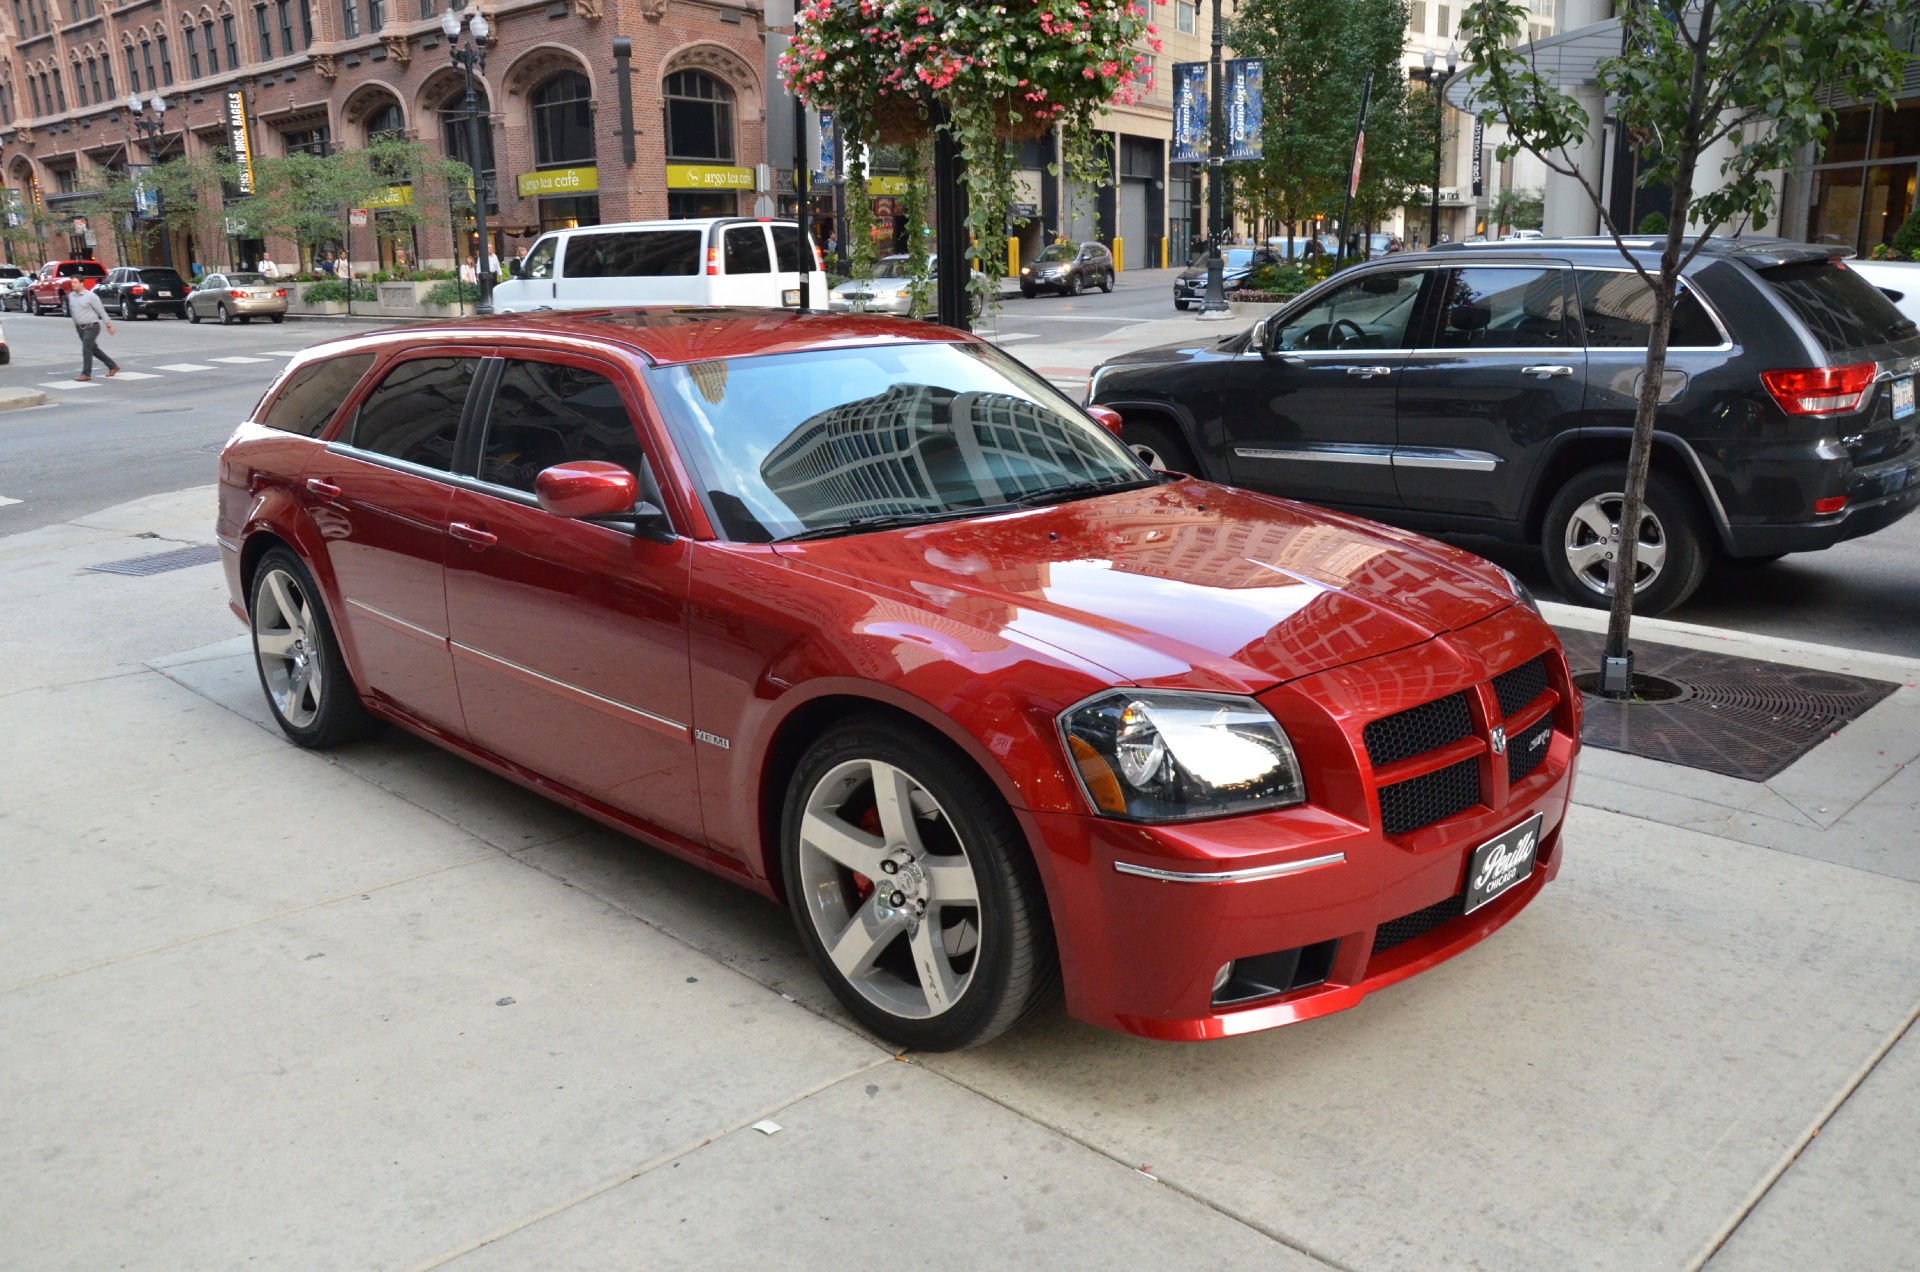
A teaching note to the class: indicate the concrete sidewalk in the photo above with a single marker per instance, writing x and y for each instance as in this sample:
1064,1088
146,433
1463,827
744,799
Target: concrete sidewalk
378,1008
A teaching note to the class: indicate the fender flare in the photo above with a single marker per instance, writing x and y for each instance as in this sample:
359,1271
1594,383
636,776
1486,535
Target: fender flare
1673,443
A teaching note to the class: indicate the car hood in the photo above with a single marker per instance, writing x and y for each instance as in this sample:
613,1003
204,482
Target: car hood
1183,584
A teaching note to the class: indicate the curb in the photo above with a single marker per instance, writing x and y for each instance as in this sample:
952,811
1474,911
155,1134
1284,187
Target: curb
1780,649
18,399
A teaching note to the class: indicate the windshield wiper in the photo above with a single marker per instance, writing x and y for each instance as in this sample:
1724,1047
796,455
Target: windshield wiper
1081,489
889,521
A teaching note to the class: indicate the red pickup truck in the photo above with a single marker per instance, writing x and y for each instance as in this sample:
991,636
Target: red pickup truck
48,295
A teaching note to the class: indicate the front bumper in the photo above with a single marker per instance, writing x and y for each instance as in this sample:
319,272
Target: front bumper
897,303
1140,954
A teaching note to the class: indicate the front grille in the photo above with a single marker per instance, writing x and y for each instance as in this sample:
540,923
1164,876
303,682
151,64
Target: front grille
1525,752
1421,801
1412,926
1427,727
1520,686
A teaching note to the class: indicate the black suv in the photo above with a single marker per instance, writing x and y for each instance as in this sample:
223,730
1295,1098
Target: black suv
1068,269
1490,389
1236,264
144,291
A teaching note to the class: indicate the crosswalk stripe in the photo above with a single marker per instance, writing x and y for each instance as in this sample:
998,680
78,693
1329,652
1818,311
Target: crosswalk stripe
68,384
236,359
136,375
4,501
184,366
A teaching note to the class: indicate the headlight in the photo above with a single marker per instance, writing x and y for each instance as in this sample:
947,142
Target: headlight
1521,592
1154,755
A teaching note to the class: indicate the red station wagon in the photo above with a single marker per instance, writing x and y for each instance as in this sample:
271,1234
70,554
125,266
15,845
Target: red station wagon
867,616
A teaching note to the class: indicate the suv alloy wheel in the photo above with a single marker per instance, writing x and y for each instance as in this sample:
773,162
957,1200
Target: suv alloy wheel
1675,544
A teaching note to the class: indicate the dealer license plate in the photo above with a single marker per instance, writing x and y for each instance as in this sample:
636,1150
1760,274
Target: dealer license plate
1903,397
1500,863
791,296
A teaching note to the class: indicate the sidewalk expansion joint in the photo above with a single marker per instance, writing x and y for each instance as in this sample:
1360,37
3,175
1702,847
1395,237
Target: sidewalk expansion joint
1799,1146
1747,843
647,1167
1227,1212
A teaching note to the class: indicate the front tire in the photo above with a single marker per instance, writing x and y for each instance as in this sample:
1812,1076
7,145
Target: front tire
1159,446
1106,283
308,690
1675,544
913,888
1179,304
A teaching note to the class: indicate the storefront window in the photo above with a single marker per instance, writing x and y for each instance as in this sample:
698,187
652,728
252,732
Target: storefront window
569,213
691,204
1863,188
699,118
562,122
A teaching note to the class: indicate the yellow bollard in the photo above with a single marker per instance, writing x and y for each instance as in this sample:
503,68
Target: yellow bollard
1013,257
1163,253
1119,254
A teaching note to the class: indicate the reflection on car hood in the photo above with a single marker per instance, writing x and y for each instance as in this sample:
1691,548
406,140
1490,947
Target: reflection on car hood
1187,583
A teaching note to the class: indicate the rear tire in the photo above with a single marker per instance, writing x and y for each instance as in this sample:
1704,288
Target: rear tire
279,318
1106,283
954,946
1159,446
1675,541
309,692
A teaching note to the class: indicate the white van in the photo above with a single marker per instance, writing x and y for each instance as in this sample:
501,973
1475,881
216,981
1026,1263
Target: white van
726,261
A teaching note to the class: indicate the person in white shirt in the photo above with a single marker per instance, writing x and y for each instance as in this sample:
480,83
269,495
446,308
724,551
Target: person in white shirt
267,266
89,315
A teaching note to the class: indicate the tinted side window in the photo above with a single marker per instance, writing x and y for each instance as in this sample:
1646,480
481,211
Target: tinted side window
747,250
646,254
546,414
1369,313
1514,308
1617,308
314,393
415,412
786,248
540,259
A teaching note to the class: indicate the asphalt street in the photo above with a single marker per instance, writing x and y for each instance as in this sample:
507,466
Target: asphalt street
121,439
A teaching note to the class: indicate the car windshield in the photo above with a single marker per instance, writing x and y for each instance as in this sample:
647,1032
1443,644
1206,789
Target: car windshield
1057,252
787,444
248,280
891,267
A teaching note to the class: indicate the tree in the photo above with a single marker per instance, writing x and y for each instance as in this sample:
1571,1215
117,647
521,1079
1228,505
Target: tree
305,197
1318,54
1748,81
1518,210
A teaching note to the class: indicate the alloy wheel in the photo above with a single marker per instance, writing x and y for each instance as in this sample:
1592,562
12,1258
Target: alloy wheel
1149,456
1591,541
889,888
287,641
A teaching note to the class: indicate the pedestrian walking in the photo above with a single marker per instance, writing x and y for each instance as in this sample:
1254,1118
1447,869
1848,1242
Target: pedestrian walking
89,315
267,266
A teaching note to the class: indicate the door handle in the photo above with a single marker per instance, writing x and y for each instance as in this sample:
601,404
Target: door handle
326,490
1546,372
473,535
1367,373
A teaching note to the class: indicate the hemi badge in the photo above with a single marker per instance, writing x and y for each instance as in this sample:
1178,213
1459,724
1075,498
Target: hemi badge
714,738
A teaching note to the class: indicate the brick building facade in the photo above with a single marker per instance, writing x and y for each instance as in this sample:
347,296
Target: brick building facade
322,75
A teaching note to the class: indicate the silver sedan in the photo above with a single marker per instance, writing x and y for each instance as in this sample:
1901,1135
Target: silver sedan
237,296
886,292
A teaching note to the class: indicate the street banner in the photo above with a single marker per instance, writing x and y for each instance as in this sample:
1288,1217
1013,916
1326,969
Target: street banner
1243,106
15,208
1359,155
829,158
238,141
146,195
1189,112
1478,173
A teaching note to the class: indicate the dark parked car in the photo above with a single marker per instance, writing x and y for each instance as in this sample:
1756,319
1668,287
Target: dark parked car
1068,269
1190,285
14,293
1490,390
144,291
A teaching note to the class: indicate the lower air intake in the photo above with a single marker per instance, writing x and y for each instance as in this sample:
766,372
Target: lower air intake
1410,927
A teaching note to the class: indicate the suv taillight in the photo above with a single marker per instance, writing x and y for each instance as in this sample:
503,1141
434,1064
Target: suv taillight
136,290
1820,390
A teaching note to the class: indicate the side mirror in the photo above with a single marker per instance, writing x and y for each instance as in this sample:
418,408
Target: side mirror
588,488
1108,418
516,268
1257,338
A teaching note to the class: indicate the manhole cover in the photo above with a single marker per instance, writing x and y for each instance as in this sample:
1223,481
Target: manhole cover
161,562
1738,716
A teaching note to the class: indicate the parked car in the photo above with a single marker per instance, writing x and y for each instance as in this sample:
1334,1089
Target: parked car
1237,263
1491,390
6,353
886,291
860,612
1296,249
48,292
1898,281
1067,268
10,272
14,293
237,296
721,261
144,291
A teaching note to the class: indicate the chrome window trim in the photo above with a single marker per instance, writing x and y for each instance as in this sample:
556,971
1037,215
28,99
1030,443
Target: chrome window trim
350,451
1248,875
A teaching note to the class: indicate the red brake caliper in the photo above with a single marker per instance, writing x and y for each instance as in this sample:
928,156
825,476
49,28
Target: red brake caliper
869,822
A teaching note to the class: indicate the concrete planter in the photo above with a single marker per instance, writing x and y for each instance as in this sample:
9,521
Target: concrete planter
313,309
402,298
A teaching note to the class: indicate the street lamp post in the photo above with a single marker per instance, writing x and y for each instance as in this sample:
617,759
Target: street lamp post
1215,301
150,120
471,56
1434,79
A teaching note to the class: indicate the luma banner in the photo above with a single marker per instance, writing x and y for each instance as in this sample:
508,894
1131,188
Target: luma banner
1189,113
1243,106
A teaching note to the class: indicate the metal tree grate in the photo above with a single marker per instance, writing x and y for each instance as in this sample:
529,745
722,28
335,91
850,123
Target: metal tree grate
1740,717
161,562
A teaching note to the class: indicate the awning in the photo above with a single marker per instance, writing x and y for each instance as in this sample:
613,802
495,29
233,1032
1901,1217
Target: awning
1568,60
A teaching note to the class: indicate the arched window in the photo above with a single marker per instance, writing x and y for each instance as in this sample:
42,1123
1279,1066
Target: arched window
562,121
384,123
79,84
699,117
453,129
